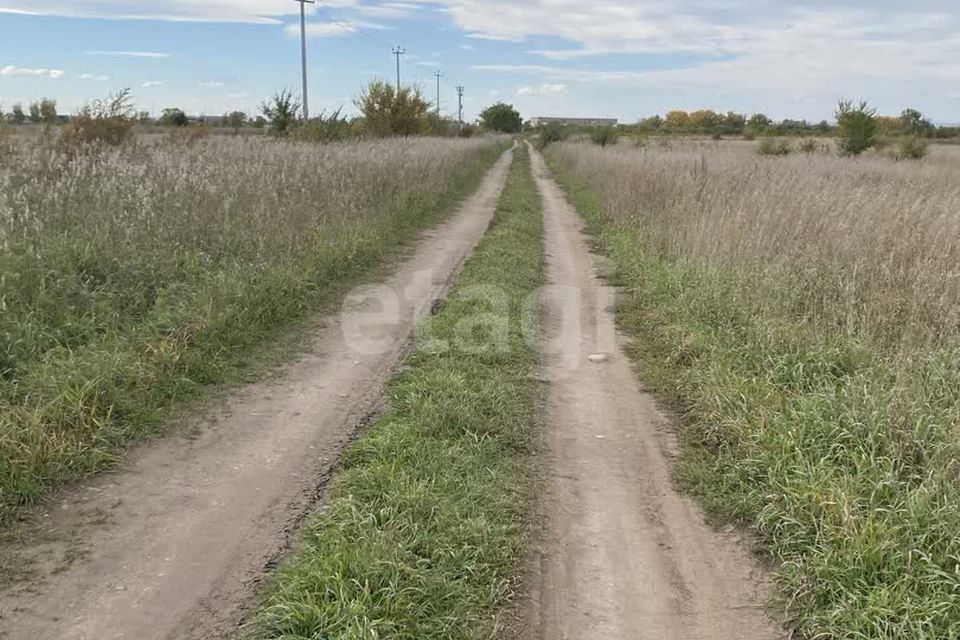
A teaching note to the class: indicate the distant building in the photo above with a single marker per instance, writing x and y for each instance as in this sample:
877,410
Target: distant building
574,122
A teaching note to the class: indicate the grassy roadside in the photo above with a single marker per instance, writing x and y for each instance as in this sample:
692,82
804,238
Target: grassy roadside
66,412
841,457
424,532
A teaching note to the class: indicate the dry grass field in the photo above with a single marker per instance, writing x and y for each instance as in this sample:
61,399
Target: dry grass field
132,276
803,312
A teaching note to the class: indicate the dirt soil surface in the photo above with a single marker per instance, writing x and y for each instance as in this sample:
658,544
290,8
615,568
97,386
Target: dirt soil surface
174,544
624,555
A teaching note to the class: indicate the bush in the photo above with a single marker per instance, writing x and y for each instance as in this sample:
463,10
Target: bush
856,127
809,145
553,132
174,117
281,111
605,136
912,148
108,122
325,128
388,112
774,147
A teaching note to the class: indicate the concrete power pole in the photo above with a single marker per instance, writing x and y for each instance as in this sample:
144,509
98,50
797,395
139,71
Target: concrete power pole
460,107
398,51
439,75
303,53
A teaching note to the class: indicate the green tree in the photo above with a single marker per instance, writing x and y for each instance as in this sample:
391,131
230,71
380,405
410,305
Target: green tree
856,127
281,111
653,123
35,112
677,120
501,117
758,122
48,111
915,124
235,120
734,123
388,112
174,117
17,115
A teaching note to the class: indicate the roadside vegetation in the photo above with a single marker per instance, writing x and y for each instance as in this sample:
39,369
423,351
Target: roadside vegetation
426,525
132,274
803,316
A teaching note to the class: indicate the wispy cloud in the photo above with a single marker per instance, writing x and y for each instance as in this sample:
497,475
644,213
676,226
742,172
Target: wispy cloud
92,76
130,54
11,70
543,90
152,83
338,28
212,84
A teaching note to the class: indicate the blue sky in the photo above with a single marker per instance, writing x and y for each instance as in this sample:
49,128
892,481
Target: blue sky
620,58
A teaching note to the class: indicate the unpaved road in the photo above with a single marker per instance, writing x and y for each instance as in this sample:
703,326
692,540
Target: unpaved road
625,556
173,544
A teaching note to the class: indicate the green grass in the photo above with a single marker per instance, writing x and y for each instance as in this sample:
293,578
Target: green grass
99,343
425,528
842,457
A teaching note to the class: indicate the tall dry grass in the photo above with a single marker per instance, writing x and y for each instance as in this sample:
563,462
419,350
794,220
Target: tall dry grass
869,247
804,311
131,276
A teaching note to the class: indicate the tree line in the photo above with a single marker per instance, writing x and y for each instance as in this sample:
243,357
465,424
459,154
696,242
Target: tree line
708,122
383,110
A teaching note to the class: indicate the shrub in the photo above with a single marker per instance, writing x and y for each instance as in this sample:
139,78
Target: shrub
605,136
912,148
108,122
281,112
856,127
774,147
174,117
809,145
389,112
324,128
553,132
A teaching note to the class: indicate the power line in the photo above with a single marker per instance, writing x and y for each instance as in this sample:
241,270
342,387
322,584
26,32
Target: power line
398,51
439,75
303,53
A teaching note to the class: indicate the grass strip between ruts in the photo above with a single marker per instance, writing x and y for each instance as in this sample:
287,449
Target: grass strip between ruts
424,533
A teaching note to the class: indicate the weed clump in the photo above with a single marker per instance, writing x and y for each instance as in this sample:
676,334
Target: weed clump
107,122
775,147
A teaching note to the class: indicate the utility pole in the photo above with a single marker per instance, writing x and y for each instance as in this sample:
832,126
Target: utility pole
398,51
303,53
460,107
439,75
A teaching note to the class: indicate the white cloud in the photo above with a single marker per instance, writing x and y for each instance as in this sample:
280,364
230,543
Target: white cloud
152,83
544,90
468,47
255,11
92,76
212,84
333,29
130,54
11,70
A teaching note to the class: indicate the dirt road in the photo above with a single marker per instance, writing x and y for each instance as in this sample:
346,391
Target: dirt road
172,545
625,556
